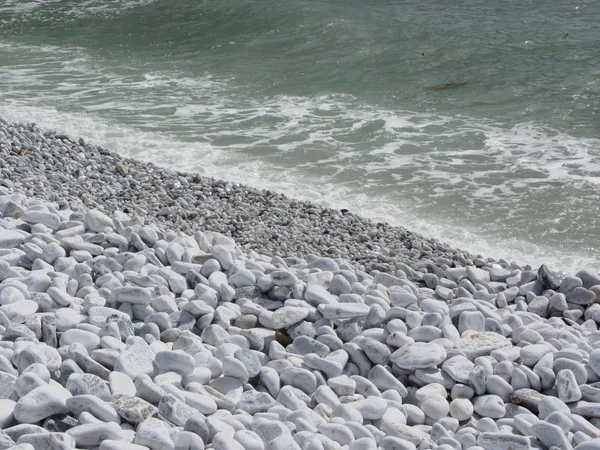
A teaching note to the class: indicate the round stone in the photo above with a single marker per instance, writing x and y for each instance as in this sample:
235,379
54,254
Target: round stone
435,407
461,409
489,406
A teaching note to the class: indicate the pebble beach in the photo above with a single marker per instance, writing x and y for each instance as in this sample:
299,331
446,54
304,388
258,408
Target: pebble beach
142,308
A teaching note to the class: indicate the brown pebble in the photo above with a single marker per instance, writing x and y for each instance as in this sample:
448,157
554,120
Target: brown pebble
283,337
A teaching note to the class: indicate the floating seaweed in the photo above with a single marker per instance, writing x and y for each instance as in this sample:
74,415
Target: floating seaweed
443,87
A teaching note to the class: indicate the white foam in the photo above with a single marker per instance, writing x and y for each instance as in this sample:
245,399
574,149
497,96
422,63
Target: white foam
472,183
160,149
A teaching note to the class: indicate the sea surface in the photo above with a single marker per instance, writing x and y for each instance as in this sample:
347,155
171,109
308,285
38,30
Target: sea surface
476,122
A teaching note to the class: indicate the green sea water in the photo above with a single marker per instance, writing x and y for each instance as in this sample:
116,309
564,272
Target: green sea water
475,122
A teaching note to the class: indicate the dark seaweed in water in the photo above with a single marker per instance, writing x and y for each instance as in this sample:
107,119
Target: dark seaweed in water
443,87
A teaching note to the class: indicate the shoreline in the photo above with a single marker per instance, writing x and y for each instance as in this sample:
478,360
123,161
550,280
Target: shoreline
260,220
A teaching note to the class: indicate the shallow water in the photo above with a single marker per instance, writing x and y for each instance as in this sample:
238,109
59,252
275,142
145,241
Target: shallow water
332,101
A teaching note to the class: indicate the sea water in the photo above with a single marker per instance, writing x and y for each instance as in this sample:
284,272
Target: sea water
474,122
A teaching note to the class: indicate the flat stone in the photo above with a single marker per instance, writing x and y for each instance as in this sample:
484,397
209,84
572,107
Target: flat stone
531,354
586,409
89,340
94,405
384,380
99,315
20,310
147,390
299,378
483,343
235,368
154,434
250,360
121,384
343,310
588,278
176,411
134,295
90,435
316,294
136,359
97,221
249,440
288,316
594,361
33,217
223,255
53,251
203,403
7,417
268,430
242,278
10,238
304,345
420,355
177,361
476,275
403,431
581,296
16,431
198,426
185,440
503,441
65,319
329,367
88,384
109,444
342,385
561,420
223,441
471,321
489,406
42,402
40,353
568,389
550,435
22,447
576,367
458,368
270,379
48,441
497,385
134,409
377,352
283,278
7,385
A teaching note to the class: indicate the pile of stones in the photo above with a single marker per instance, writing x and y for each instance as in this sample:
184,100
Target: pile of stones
117,334
51,166
282,325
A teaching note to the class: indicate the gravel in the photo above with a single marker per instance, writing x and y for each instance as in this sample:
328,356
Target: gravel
147,309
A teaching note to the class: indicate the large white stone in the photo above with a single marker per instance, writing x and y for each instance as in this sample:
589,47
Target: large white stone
92,434
483,343
97,221
42,402
420,355
136,358
10,238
